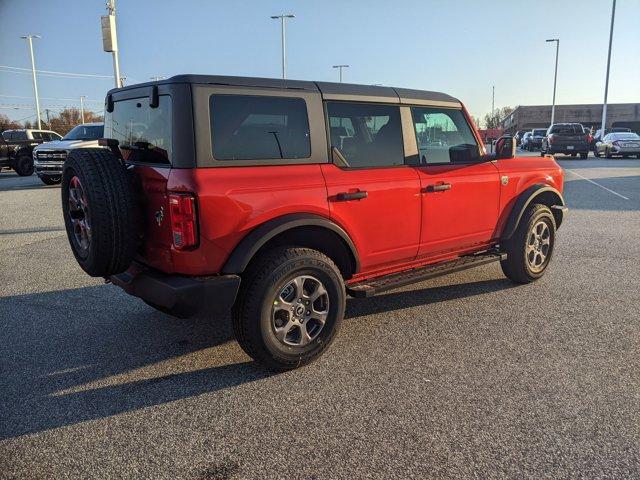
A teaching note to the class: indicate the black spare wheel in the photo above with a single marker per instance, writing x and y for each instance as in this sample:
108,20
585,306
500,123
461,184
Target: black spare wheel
99,211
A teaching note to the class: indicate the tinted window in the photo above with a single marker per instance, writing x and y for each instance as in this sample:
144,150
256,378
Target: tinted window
46,136
144,133
6,135
247,127
18,136
444,136
539,132
367,135
85,132
566,129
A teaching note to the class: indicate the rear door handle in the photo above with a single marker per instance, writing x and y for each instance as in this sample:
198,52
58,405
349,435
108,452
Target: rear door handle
442,187
346,196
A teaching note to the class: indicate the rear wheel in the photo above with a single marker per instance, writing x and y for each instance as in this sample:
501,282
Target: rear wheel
23,165
289,308
584,155
530,248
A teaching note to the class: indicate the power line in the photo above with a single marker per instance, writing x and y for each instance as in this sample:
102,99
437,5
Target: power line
54,73
52,98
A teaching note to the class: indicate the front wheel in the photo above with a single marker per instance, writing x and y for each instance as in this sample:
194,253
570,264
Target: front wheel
289,308
530,248
24,165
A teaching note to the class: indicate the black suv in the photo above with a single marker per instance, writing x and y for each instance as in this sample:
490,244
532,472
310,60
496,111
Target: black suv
566,138
16,148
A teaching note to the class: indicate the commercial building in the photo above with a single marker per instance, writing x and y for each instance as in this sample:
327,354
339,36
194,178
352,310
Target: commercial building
539,116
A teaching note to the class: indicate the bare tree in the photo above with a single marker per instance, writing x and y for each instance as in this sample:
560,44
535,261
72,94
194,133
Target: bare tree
7,124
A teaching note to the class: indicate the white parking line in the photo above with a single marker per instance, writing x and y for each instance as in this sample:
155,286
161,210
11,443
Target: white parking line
596,183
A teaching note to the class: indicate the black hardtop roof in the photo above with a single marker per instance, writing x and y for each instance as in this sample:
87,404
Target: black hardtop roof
384,93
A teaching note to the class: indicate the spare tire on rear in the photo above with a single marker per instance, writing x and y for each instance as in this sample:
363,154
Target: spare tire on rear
98,205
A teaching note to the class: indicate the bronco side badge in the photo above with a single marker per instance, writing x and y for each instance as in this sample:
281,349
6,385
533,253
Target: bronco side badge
504,179
159,216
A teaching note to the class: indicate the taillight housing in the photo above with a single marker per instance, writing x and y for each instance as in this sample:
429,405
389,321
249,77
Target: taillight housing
184,220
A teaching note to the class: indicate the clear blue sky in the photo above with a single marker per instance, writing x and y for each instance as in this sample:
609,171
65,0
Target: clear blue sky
460,47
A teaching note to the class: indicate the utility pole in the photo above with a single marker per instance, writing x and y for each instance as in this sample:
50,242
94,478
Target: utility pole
110,39
493,100
606,82
156,78
340,67
48,121
555,78
30,38
283,19
82,97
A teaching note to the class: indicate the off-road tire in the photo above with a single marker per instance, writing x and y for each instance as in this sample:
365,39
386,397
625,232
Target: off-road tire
111,211
23,165
261,283
51,180
515,266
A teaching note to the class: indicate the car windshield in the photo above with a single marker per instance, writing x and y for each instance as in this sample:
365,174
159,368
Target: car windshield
624,136
85,132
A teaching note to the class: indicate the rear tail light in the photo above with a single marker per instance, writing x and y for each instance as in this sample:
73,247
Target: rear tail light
184,222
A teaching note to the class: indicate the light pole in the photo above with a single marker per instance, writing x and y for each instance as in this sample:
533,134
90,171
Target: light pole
110,39
606,83
82,97
340,67
156,78
283,19
555,78
30,38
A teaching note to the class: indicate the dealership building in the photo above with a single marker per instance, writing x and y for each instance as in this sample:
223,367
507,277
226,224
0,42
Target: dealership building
539,116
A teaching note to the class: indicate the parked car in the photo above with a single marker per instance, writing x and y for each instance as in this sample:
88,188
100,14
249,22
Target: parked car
535,139
598,135
566,138
624,144
524,142
16,147
518,136
277,198
49,157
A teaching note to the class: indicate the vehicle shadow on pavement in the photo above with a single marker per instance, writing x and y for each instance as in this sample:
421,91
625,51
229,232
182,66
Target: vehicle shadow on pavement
89,353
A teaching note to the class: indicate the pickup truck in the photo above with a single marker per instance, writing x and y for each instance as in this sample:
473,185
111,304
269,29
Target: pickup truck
16,147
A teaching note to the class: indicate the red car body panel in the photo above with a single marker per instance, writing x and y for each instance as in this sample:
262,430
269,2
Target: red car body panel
399,225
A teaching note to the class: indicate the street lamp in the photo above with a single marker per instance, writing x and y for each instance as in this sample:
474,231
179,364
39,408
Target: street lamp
283,19
30,38
555,77
606,83
341,67
82,97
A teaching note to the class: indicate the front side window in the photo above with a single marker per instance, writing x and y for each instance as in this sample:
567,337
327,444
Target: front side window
144,133
444,136
250,127
367,135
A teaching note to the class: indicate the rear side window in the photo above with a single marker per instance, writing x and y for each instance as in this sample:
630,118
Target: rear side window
19,136
539,132
144,133
251,127
444,136
367,135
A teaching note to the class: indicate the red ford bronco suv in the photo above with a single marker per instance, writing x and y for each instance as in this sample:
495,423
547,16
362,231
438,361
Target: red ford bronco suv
278,198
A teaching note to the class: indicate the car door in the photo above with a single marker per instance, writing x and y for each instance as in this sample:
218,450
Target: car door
372,193
460,190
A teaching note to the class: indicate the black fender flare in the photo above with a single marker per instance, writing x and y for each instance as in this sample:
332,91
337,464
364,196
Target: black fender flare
558,207
259,236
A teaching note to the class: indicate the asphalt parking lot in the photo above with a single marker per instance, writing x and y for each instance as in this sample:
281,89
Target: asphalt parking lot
465,376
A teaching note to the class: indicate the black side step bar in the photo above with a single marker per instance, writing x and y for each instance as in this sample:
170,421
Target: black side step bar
369,288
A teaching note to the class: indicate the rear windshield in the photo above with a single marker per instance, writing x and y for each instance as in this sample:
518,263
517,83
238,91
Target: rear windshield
144,133
47,136
566,129
85,132
540,132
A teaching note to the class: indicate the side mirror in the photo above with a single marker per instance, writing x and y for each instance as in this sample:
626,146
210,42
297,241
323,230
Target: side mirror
505,147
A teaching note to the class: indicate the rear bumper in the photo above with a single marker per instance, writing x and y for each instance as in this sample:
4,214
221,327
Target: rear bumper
566,150
180,295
